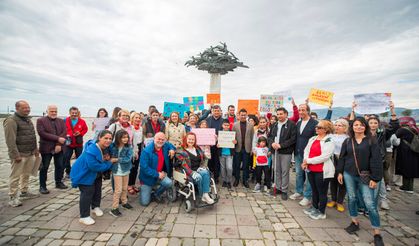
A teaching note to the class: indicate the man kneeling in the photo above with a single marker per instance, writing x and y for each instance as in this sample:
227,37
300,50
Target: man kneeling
155,168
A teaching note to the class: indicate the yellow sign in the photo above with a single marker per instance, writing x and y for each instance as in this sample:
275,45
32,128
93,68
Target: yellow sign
321,97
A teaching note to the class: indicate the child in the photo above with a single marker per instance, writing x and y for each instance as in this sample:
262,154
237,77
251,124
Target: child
123,151
262,153
226,159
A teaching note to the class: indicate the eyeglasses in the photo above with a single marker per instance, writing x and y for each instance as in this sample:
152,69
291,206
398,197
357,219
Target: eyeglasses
319,127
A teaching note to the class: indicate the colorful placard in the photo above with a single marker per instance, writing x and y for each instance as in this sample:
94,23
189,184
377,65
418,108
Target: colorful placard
320,97
250,105
286,94
170,107
204,136
213,98
269,103
372,103
194,103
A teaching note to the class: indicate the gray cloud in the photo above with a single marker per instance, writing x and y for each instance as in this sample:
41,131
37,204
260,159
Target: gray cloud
117,53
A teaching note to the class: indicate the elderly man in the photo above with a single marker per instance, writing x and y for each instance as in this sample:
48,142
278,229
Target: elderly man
76,129
21,143
52,132
156,168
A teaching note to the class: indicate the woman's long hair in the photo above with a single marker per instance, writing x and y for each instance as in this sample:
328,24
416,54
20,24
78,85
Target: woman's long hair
367,130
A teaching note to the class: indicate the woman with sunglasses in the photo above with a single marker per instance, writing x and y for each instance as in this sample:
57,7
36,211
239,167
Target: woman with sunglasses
318,159
361,167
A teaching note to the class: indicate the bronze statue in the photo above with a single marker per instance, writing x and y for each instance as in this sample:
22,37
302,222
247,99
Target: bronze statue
216,60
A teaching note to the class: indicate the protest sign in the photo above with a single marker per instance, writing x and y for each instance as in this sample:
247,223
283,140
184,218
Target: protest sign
285,94
250,105
194,103
170,107
320,97
100,123
204,136
213,98
269,103
226,138
372,103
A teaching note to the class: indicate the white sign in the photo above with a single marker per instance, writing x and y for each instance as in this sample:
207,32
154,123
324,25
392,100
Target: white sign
286,94
372,103
226,138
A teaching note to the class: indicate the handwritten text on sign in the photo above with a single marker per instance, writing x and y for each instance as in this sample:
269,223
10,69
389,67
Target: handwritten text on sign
269,103
321,97
372,103
226,138
204,136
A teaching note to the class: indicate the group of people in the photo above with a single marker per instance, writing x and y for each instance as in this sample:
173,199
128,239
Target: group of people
354,156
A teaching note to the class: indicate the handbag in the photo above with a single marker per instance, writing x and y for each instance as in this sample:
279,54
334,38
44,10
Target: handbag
364,176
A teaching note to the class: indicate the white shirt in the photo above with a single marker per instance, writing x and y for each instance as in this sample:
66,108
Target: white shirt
278,134
303,125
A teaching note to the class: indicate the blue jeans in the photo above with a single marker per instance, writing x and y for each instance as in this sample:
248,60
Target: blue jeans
301,177
146,190
241,156
202,181
369,198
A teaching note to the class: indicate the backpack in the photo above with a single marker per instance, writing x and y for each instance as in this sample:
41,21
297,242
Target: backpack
414,145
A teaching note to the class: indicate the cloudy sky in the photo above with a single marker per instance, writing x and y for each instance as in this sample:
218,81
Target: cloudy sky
131,53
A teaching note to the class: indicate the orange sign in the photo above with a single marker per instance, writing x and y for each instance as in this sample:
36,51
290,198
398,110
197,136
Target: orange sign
250,105
213,98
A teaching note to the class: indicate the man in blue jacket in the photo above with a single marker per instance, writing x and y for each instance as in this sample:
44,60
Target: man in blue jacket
156,169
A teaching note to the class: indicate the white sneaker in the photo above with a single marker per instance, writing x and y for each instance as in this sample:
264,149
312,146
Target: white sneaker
206,198
295,196
257,188
87,220
98,212
384,205
265,188
15,202
388,188
305,202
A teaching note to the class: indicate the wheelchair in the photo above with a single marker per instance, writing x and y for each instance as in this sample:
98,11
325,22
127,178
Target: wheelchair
185,188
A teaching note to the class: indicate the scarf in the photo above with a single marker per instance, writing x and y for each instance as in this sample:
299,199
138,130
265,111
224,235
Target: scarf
124,124
156,126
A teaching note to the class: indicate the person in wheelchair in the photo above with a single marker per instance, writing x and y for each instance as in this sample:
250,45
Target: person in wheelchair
194,163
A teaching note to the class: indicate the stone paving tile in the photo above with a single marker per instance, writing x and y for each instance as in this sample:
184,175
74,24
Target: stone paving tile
231,242
206,219
318,234
205,231
182,230
226,219
227,231
339,235
246,220
250,232
119,226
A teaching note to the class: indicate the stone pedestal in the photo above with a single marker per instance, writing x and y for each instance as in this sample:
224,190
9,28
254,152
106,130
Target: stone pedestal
215,83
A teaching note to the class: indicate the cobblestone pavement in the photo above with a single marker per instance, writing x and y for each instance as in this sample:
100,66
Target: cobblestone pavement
240,218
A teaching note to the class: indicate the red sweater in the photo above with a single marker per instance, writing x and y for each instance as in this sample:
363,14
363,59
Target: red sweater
315,150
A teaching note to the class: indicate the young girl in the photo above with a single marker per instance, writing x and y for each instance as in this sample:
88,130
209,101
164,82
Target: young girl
123,151
262,153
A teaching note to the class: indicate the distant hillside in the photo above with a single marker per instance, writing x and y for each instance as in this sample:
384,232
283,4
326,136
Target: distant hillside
344,111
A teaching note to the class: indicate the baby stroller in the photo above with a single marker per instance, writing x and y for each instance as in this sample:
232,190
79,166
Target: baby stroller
185,188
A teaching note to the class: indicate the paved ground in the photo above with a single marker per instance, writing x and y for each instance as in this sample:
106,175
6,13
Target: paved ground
240,218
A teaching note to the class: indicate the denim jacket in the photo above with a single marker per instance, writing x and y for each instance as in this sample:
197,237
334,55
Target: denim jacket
124,160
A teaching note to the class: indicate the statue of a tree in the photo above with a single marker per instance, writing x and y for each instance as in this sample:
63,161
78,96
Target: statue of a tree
217,61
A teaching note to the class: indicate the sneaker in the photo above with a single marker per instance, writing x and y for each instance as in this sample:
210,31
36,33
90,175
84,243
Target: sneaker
305,202
403,190
317,215
284,196
207,199
115,212
157,199
295,196
388,188
309,210
378,240
127,206
340,207
61,186
87,220
384,205
331,204
257,188
98,212
352,228
229,185
43,190
15,202
28,195
265,188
